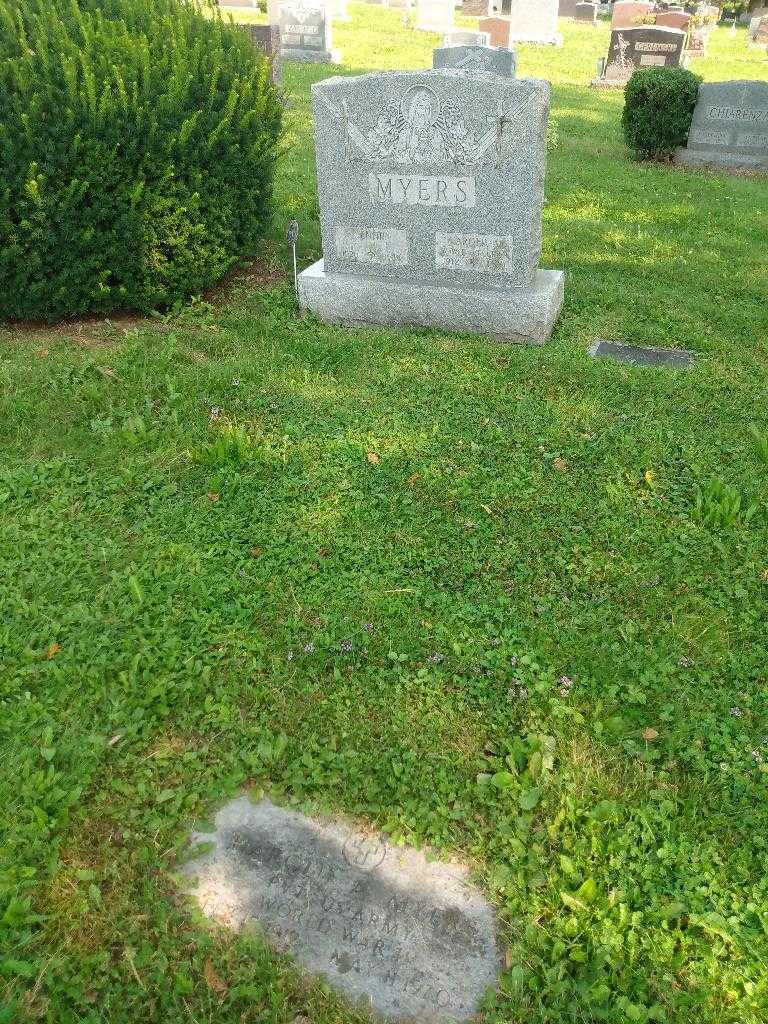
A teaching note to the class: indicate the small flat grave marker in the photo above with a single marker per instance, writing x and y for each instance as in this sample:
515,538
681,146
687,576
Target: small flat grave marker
409,938
639,355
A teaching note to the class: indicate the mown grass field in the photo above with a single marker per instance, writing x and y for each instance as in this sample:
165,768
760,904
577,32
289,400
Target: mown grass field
507,602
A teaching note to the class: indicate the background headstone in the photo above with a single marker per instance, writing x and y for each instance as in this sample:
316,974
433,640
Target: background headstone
490,59
567,8
435,15
642,47
431,187
625,13
497,29
408,937
267,39
305,32
730,126
673,19
475,8
586,12
534,21
465,38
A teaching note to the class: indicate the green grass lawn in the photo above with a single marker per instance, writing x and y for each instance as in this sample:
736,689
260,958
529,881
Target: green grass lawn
479,521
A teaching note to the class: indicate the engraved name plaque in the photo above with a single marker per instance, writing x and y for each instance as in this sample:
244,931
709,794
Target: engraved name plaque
407,937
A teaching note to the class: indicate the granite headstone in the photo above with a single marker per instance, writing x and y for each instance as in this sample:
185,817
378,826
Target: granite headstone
464,38
267,39
627,12
305,32
497,29
431,188
642,47
475,8
673,19
729,127
586,12
534,21
567,8
490,59
406,937
435,15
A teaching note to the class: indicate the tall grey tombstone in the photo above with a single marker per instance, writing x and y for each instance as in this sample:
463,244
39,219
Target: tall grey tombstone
566,8
490,59
730,126
431,188
633,48
305,32
534,21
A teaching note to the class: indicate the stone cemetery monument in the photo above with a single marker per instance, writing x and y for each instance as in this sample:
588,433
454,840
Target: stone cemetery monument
490,59
475,8
305,32
464,38
431,188
567,8
435,15
267,39
626,13
730,126
497,29
586,12
633,48
534,21
673,19
407,938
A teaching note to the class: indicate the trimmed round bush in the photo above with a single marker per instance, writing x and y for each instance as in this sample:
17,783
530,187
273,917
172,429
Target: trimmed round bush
658,110
138,143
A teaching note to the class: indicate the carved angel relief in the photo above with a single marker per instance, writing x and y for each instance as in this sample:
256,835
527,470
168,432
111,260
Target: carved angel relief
422,129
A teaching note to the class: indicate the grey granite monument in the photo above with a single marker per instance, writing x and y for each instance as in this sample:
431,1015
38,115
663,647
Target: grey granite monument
431,188
730,126
403,936
633,48
491,59
305,32
586,12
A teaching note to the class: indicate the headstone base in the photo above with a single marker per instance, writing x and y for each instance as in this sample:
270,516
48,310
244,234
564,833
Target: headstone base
312,56
608,83
720,158
555,40
518,314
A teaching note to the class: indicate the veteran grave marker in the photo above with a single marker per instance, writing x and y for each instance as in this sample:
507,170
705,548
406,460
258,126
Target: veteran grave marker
406,937
431,187
729,127
476,58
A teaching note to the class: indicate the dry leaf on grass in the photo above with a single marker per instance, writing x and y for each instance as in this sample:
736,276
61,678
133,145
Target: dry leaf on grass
212,979
53,650
560,465
649,734
213,496
373,458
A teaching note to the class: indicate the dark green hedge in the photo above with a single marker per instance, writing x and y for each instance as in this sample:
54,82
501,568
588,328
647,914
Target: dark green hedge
658,109
138,142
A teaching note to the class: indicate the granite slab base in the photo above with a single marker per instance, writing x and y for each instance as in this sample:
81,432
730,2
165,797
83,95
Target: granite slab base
608,83
518,314
722,160
311,56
